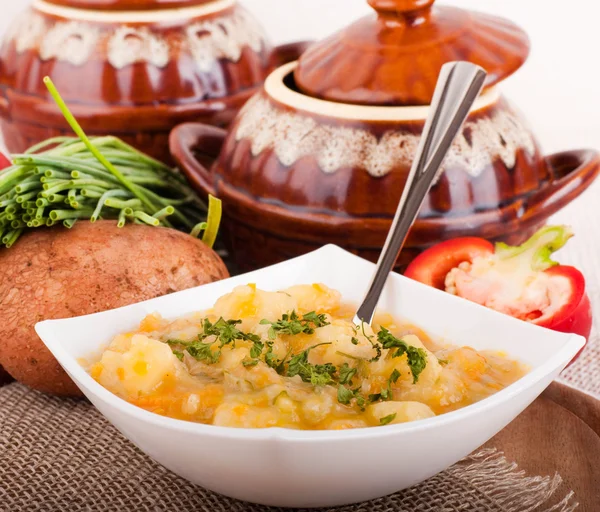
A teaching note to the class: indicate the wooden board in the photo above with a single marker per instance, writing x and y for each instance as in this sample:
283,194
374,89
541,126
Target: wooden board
559,433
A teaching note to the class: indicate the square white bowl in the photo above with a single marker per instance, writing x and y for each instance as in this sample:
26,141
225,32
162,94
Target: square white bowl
295,468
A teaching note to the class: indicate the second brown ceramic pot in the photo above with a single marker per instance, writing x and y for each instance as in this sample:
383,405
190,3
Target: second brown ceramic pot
133,69
297,172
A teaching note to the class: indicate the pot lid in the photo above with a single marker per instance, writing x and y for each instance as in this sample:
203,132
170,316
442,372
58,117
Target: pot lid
394,56
128,5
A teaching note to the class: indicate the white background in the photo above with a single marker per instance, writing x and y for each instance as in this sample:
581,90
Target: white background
558,89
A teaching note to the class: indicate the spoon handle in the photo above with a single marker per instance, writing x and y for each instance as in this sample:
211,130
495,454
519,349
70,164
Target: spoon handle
457,89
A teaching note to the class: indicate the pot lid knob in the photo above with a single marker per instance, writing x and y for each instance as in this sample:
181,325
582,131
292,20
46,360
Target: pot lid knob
400,6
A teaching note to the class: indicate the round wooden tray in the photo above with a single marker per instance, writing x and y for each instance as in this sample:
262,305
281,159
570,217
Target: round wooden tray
558,433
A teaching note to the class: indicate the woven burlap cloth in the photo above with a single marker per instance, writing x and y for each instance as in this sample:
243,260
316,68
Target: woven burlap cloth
61,455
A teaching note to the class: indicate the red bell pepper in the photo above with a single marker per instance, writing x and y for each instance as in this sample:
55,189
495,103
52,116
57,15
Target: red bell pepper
4,162
522,281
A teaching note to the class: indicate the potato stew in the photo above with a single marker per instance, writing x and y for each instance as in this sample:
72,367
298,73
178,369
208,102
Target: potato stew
294,359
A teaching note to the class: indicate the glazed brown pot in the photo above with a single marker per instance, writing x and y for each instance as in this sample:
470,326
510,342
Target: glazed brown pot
259,230
131,68
326,161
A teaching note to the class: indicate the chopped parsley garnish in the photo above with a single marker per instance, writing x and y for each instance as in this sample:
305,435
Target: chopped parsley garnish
346,373
387,419
316,374
225,332
394,376
386,393
257,348
417,358
383,396
346,395
292,324
375,345
272,360
197,349
204,352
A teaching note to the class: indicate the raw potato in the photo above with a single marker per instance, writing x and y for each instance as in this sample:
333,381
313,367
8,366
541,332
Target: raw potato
60,273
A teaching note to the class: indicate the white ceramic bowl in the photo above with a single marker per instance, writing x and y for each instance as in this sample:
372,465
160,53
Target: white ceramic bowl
295,468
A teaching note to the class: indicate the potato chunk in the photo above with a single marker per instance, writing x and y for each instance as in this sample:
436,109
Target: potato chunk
247,303
233,414
138,370
345,344
404,411
427,378
315,297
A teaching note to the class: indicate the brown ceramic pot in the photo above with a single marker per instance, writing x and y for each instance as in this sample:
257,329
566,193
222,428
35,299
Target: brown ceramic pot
325,162
131,68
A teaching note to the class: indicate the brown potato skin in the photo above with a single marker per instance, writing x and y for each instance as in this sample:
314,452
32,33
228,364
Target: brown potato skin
59,273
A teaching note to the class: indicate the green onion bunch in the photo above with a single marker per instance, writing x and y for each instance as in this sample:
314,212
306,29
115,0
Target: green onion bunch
65,179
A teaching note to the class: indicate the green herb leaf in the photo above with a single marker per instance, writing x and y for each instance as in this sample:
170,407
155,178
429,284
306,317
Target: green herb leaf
344,395
322,374
375,345
198,350
317,375
383,396
394,376
226,333
387,419
203,352
346,373
256,349
316,320
249,363
273,361
292,324
417,358
386,393
360,401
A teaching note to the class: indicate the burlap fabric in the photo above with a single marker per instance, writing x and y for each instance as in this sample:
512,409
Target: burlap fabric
61,455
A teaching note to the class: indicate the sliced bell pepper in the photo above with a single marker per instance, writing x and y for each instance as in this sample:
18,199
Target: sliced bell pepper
521,281
4,161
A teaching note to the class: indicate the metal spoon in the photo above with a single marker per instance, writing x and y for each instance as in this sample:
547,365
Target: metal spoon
457,89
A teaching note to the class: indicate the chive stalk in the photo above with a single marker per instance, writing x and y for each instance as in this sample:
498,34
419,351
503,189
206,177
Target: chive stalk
213,221
64,179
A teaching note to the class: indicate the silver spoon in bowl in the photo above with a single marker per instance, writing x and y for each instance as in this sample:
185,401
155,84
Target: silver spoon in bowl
457,89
